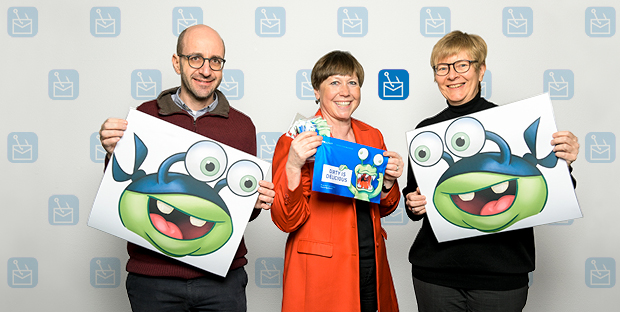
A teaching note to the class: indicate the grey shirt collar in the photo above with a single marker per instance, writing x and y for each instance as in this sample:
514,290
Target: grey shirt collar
177,100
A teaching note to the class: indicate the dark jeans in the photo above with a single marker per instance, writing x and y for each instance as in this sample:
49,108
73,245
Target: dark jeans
211,293
368,285
435,298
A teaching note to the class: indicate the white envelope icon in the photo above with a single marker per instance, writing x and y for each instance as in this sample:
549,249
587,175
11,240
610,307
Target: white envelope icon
352,26
393,89
483,89
105,26
558,89
435,26
270,26
517,26
183,23
307,90
22,152
63,89
600,152
63,215
396,217
105,277
146,89
600,277
22,27
230,89
100,152
22,277
270,277
600,26
266,152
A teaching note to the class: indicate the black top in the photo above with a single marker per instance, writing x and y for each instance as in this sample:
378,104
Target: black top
498,261
365,233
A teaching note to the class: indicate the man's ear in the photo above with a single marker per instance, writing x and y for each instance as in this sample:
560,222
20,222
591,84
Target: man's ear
176,63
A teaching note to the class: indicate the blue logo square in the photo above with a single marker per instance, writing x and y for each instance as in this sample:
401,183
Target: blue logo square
270,21
184,17
303,85
600,272
600,147
435,21
97,152
352,21
105,272
268,272
63,210
517,21
22,147
393,84
145,84
559,83
600,21
486,85
63,84
22,21
22,272
232,84
266,144
398,216
105,21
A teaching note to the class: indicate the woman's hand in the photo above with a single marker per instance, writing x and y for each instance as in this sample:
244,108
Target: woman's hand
416,202
303,147
393,170
565,146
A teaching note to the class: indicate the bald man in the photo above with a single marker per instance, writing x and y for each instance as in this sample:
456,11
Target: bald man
156,282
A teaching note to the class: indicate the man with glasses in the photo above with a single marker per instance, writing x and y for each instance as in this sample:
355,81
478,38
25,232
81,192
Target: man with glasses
156,282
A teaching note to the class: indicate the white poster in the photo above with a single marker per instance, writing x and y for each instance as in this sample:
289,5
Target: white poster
492,171
178,193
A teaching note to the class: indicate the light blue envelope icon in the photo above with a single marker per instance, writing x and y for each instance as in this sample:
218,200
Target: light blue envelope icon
184,17
105,272
63,84
22,21
393,84
486,85
559,83
63,209
352,21
266,144
232,84
22,272
600,21
517,21
600,147
303,86
105,21
600,272
435,21
268,272
145,84
398,216
22,147
270,21
97,152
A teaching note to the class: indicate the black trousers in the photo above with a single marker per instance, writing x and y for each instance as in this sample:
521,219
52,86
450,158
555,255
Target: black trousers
368,285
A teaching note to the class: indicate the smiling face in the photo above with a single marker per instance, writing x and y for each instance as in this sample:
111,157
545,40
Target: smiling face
339,97
460,88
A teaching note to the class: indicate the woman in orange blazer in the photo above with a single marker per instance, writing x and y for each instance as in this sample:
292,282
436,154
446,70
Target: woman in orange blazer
335,258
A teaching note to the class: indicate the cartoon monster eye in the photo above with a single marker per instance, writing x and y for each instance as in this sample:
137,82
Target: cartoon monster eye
378,160
206,161
426,149
465,137
243,177
362,153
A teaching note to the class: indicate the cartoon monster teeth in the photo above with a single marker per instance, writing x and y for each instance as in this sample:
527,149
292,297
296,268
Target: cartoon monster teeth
164,208
500,188
467,197
197,222
365,175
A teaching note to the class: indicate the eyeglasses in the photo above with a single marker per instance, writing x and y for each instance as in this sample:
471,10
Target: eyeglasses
197,61
460,66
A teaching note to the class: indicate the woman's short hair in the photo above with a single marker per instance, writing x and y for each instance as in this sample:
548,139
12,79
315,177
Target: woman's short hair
336,63
456,42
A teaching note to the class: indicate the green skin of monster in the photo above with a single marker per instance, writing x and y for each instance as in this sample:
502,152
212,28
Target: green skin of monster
364,194
529,200
134,213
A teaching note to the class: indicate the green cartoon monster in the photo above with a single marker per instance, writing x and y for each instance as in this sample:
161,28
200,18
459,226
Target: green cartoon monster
485,191
365,176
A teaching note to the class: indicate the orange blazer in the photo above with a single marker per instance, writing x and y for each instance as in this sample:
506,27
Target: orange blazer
321,263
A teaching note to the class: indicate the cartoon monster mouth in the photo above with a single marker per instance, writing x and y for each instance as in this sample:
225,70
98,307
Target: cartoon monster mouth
176,224
364,181
489,201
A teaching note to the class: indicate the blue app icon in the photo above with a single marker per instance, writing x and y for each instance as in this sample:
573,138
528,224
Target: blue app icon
600,147
268,272
105,272
434,21
486,85
352,21
270,21
517,21
600,21
183,17
105,21
232,84
559,83
266,144
393,84
22,147
22,21
22,272
63,84
63,210
398,216
303,85
145,84
97,152
600,272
